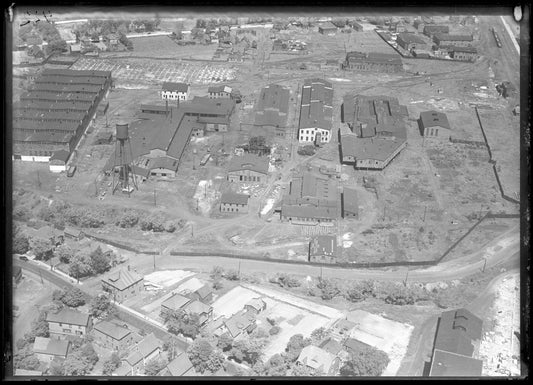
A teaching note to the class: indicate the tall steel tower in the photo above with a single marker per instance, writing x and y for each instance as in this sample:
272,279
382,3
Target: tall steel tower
123,161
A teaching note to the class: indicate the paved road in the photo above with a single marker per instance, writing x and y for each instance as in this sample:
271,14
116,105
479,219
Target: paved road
124,315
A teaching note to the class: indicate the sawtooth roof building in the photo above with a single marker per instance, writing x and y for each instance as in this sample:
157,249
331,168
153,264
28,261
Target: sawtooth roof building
378,131
373,62
457,345
316,111
55,112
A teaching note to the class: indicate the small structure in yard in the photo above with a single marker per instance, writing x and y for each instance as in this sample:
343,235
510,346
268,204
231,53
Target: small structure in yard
350,206
145,350
48,349
319,359
68,322
409,41
248,168
17,275
113,335
240,324
456,345
342,328
123,284
233,202
331,346
174,91
323,248
58,161
72,233
179,366
433,124
355,25
255,305
327,28
203,294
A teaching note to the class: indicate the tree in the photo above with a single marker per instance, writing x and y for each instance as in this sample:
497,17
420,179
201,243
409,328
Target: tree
21,214
276,366
295,345
21,245
368,361
232,275
73,298
304,371
100,305
100,261
170,345
201,23
64,252
42,248
307,150
274,330
217,272
178,321
217,284
204,357
89,353
76,364
328,288
154,366
56,46
246,350
225,342
319,335
80,266
111,364
285,280
128,219
39,328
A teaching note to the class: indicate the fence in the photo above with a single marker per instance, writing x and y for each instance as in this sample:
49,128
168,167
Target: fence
470,142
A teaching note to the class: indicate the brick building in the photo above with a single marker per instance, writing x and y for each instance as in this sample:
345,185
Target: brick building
68,323
123,284
233,202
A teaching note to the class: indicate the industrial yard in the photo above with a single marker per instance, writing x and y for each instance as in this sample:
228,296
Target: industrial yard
315,145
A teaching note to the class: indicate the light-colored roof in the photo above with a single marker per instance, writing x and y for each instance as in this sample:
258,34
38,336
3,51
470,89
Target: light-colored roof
316,358
231,197
61,155
51,346
256,303
181,366
148,345
175,302
249,162
69,316
72,231
112,330
446,364
123,279
197,307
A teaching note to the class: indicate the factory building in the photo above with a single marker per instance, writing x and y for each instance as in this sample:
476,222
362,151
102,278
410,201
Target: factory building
316,111
55,112
373,62
271,110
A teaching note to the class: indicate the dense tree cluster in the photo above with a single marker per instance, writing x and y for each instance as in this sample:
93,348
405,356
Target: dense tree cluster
181,322
101,306
307,150
21,244
247,350
204,357
286,280
72,298
111,364
154,366
367,361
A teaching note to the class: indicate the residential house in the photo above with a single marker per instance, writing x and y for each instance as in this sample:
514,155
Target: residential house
47,349
319,359
434,29
248,168
327,28
255,305
113,335
373,62
58,161
174,303
72,233
331,346
433,124
316,111
233,202
240,324
123,284
215,123
202,310
323,248
174,91
464,53
409,41
453,40
179,366
17,275
68,322
145,350
350,206
220,91
456,345
342,329
203,294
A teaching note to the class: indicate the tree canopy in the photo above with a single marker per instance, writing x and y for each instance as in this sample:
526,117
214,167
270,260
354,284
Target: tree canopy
367,361
204,357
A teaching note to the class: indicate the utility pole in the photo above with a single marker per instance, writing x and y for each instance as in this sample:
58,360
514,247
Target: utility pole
106,122
425,209
480,208
484,264
239,269
155,202
95,188
205,190
197,202
406,275
192,231
321,275
154,262
38,179
41,275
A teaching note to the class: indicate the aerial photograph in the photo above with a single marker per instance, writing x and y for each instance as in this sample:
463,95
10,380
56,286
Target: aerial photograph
251,194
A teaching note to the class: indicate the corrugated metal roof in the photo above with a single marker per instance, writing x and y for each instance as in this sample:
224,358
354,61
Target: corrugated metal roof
49,115
45,125
60,96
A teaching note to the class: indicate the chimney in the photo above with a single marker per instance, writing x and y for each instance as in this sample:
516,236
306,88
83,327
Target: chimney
128,267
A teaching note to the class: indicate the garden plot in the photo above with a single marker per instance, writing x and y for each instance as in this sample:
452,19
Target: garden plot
384,334
168,278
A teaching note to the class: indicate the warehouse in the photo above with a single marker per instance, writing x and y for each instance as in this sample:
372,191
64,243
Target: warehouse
327,28
272,108
233,202
434,124
248,168
409,41
373,62
443,39
316,111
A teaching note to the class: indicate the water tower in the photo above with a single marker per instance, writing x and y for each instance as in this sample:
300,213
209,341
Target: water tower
123,161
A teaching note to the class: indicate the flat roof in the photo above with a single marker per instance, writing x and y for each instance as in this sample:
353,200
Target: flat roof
445,364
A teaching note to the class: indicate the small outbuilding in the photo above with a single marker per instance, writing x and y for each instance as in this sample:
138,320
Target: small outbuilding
58,161
433,124
323,248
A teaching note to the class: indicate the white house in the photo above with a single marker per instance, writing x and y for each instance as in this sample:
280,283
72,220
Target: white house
175,91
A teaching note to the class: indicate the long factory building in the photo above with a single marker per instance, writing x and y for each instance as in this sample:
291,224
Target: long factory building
55,112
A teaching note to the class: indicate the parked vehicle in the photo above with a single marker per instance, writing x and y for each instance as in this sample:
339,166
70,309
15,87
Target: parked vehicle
71,171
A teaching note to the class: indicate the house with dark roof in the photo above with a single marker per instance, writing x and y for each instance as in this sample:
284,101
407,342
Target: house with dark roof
202,310
174,303
248,168
409,41
240,324
433,124
350,205
123,284
179,366
373,62
203,294
142,352
327,28
456,345
316,111
68,322
58,161
113,335
323,248
463,53
234,202
47,349
255,305
319,359
174,91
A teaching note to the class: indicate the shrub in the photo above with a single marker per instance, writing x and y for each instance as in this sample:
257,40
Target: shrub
169,226
307,150
21,245
128,219
274,330
232,275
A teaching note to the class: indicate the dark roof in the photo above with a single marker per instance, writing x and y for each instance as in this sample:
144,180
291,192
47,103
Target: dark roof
154,107
249,162
81,73
144,172
446,364
61,155
42,137
86,88
310,184
50,105
43,115
317,213
231,197
175,302
238,322
411,38
327,25
464,49
220,88
349,200
122,279
369,148
436,28
54,79
353,344
316,105
434,118
456,331
72,317
448,37
54,126
205,105
117,332
331,346
204,291
59,96
181,365
374,57
178,87
323,245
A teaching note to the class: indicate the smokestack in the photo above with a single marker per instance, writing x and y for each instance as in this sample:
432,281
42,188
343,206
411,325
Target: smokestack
128,268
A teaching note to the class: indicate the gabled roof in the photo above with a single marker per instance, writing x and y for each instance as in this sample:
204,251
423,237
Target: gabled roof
434,118
123,279
175,302
51,346
204,291
238,322
256,303
448,37
231,197
456,331
69,316
181,366
331,345
327,25
316,358
148,345
178,87
323,245
117,332
61,155
446,364
220,88
197,307
249,162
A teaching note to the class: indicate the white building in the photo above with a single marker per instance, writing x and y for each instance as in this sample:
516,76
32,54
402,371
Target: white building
175,91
